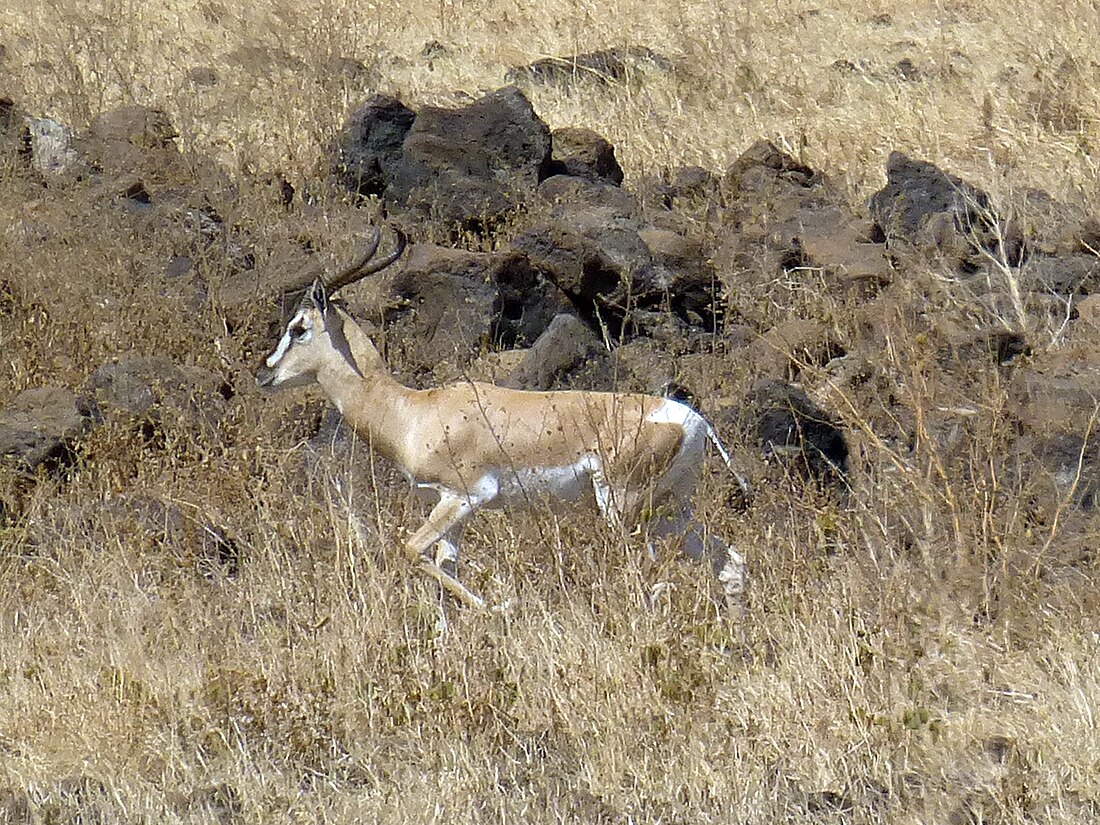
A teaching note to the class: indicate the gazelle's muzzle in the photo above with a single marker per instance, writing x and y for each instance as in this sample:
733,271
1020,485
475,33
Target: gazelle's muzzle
265,376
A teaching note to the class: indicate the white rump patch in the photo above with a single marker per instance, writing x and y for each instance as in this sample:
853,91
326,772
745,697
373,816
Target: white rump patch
673,412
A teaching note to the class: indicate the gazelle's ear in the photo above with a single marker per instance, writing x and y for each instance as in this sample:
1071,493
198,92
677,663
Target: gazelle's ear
318,296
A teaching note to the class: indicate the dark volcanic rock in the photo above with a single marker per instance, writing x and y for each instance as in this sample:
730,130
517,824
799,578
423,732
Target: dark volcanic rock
781,215
584,154
568,191
39,427
144,388
788,424
469,167
1063,274
916,190
369,146
465,167
526,302
620,274
441,308
764,163
927,207
567,345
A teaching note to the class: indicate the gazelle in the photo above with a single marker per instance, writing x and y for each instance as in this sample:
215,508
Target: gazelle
468,445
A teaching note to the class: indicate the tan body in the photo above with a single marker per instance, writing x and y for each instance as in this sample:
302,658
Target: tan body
467,445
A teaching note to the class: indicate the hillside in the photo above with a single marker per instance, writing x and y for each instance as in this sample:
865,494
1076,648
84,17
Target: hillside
812,221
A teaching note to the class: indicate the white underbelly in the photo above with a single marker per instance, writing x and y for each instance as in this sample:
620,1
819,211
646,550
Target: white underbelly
555,486
566,484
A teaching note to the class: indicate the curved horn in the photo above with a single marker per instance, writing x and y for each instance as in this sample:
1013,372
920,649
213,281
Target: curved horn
363,266
333,282
360,266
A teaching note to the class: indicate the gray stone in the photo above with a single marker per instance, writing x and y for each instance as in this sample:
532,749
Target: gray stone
40,426
567,345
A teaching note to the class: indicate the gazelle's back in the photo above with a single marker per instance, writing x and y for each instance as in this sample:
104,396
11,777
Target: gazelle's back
470,430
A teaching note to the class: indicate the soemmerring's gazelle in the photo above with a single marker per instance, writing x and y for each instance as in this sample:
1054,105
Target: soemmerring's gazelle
470,445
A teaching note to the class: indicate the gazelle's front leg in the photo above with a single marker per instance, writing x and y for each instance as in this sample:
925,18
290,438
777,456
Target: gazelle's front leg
448,514
446,558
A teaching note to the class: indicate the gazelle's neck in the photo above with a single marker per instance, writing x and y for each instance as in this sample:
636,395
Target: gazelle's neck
367,358
366,394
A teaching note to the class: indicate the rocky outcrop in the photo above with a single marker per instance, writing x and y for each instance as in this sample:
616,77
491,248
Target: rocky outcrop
40,426
466,168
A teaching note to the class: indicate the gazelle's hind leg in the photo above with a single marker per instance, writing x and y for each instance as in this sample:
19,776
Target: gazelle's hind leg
446,559
727,564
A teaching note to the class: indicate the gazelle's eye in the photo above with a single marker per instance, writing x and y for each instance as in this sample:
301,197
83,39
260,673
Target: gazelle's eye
298,332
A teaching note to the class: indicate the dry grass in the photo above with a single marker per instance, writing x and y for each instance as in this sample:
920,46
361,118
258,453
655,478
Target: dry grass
925,651
998,87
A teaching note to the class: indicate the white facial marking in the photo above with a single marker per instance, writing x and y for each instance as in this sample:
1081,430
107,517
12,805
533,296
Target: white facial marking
280,351
299,320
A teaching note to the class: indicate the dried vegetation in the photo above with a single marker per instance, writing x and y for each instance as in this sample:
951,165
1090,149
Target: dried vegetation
195,626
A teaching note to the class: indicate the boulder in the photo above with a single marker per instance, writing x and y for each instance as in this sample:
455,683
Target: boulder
685,188
466,168
440,309
601,260
582,153
526,303
1068,274
51,148
569,191
40,426
145,388
369,146
782,215
763,165
567,347
787,424
935,211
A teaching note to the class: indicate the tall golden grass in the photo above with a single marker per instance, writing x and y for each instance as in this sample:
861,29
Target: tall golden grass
924,650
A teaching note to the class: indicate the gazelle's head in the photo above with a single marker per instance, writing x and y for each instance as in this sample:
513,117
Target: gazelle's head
314,336
306,346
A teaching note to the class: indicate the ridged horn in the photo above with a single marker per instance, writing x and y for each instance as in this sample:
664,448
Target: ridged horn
360,267
363,266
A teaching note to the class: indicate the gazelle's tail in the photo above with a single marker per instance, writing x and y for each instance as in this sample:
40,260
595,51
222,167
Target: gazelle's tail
746,488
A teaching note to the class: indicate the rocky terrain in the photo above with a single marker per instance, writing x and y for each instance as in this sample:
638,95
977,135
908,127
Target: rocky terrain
205,613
